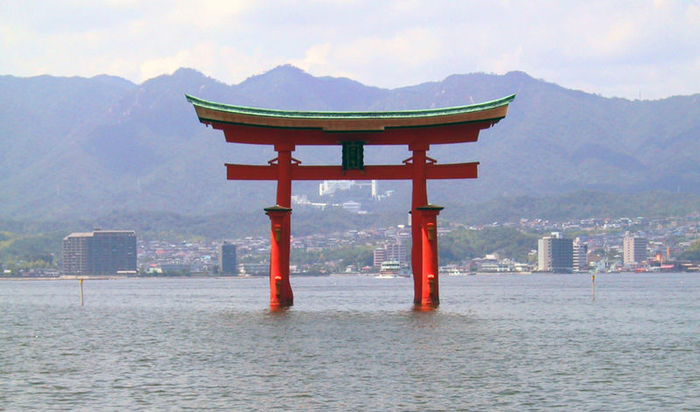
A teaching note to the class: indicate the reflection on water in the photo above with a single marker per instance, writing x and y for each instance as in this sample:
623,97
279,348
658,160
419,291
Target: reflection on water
496,342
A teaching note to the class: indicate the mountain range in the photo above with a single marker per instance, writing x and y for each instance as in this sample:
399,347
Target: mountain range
91,146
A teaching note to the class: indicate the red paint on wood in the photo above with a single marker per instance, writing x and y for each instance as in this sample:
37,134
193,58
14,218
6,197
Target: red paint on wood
451,133
430,294
377,172
419,197
280,288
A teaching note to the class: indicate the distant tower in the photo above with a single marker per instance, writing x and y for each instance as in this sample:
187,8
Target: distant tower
555,254
634,250
227,259
544,254
580,253
374,189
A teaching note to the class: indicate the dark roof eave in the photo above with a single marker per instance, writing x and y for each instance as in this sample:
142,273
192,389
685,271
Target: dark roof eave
207,121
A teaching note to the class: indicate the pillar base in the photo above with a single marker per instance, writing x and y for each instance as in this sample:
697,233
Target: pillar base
432,300
281,295
430,295
424,308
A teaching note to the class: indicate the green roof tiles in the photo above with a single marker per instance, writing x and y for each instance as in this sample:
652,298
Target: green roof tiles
252,111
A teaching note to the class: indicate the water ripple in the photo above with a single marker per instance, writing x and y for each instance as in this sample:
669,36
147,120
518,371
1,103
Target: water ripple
497,343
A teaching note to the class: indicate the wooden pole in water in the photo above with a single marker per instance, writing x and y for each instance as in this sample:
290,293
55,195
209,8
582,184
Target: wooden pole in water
593,278
82,299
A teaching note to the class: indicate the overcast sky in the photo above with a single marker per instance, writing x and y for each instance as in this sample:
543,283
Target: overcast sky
647,48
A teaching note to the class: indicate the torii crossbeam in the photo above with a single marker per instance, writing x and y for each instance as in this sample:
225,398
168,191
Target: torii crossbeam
417,129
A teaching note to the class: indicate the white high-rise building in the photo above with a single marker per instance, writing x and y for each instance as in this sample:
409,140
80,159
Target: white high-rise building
634,250
379,256
580,253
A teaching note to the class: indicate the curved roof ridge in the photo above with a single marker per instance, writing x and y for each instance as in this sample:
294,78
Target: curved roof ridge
255,111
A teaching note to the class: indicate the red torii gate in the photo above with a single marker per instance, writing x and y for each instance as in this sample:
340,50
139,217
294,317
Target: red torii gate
353,130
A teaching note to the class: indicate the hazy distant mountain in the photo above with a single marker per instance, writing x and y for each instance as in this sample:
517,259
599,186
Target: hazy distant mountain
76,146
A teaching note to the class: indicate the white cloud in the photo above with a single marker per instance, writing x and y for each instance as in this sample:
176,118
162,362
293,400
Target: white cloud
390,61
206,14
507,61
220,62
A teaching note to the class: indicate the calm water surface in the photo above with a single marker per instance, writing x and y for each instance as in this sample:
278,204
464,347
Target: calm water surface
496,343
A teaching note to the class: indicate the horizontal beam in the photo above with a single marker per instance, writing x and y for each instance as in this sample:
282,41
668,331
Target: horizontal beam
337,173
377,172
452,171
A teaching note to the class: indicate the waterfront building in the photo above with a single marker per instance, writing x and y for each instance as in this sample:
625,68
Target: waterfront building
580,261
75,254
555,254
100,253
394,252
379,257
634,250
227,259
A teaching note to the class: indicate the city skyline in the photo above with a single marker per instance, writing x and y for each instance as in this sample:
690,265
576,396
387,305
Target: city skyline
602,244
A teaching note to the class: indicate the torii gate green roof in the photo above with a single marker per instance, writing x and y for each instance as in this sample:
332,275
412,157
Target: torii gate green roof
254,111
219,113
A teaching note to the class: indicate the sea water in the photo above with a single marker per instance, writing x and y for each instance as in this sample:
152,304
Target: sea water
505,342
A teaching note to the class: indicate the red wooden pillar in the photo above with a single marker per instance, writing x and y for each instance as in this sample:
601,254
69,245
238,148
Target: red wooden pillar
430,293
284,199
280,289
284,174
419,198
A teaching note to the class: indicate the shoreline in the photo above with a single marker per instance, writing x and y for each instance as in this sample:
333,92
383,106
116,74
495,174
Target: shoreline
119,277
